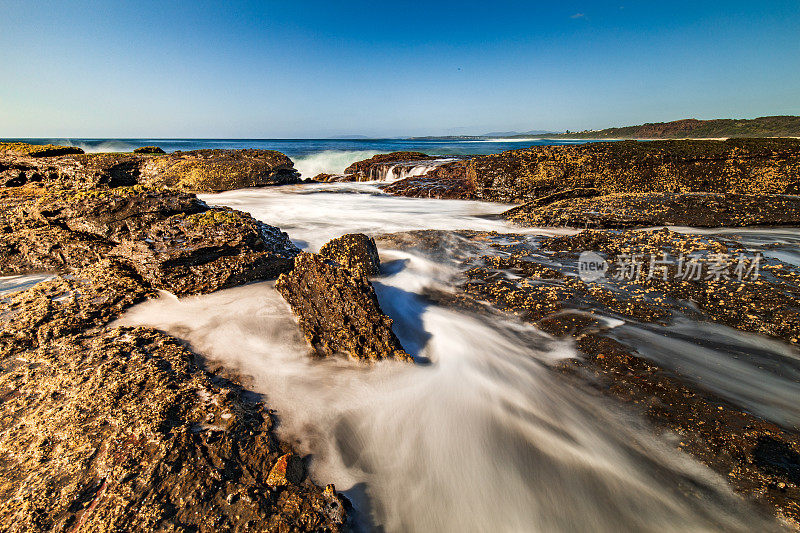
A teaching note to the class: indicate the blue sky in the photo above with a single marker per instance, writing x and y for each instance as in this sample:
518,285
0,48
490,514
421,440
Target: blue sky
309,69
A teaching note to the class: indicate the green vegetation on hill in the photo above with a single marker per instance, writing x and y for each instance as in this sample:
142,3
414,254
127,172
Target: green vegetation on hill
690,128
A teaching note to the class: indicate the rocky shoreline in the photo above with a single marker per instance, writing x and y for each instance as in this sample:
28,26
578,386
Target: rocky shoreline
105,427
116,428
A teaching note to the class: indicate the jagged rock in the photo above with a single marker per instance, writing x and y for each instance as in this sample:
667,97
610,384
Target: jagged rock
89,297
207,251
338,310
219,170
288,469
172,239
368,169
655,209
149,150
106,428
355,251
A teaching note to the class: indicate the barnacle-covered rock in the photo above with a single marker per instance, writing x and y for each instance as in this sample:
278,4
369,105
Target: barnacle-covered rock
219,170
338,310
355,251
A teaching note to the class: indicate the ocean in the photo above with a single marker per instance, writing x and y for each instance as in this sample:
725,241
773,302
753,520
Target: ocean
312,156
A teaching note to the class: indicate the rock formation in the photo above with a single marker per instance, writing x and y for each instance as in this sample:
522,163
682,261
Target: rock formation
355,251
108,428
219,170
626,210
105,428
195,171
338,310
149,150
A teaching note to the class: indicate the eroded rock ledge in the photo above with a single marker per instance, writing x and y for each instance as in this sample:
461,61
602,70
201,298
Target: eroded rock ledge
106,428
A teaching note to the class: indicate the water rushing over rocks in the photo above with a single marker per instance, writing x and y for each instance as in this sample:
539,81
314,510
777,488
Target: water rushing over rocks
484,433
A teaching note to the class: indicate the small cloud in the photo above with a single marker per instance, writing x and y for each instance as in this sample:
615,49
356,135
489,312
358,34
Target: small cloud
578,16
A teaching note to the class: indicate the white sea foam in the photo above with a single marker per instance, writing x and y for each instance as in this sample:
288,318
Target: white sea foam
329,161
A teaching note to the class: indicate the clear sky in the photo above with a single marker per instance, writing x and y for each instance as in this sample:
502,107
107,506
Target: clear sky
309,69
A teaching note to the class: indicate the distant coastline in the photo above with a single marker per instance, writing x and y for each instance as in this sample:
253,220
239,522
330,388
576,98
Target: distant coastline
690,128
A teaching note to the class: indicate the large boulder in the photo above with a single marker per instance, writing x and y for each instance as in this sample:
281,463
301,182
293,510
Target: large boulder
172,239
114,214
338,310
219,170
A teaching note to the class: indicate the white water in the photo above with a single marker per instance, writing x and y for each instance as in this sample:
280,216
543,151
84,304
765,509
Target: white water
483,438
329,161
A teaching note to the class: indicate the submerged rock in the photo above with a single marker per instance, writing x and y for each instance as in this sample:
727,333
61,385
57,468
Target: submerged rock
355,251
626,210
219,170
338,310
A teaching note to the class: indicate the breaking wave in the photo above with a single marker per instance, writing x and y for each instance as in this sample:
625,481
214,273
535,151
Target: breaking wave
330,161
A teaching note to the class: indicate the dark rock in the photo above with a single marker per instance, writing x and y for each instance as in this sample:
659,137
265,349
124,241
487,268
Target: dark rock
448,181
627,210
219,170
149,150
355,251
207,251
338,310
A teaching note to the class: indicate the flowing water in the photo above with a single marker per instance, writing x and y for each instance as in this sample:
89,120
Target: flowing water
480,435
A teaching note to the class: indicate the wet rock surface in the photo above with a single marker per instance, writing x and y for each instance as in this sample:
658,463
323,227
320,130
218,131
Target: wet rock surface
368,169
535,279
106,428
207,251
338,310
172,239
615,170
194,171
